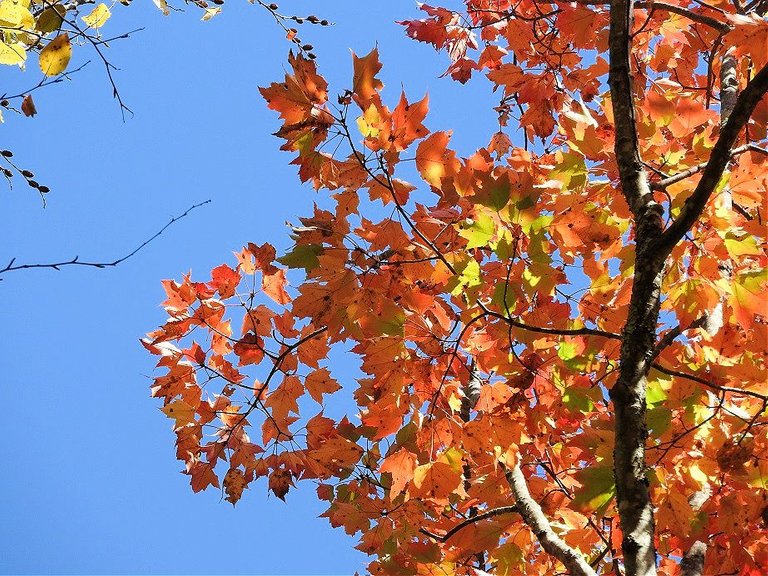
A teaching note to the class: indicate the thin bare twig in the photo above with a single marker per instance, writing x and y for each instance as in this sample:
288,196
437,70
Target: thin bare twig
11,266
46,81
670,336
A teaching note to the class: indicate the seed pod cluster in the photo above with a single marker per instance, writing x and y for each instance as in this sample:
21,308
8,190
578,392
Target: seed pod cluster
293,33
28,175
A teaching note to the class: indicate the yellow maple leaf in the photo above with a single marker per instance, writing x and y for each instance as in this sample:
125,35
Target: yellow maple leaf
181,412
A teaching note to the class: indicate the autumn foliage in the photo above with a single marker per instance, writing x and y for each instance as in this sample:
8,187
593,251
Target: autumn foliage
561,338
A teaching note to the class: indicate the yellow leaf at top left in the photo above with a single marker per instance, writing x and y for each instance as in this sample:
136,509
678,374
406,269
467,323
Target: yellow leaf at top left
55,56
15,14
98,16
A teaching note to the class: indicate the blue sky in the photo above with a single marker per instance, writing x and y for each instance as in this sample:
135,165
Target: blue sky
90,483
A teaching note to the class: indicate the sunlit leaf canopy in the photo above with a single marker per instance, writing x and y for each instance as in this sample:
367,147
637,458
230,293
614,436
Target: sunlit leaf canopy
512,267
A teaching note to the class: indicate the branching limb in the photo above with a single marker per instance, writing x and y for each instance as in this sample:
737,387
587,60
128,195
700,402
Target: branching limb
471,520
11,266
108,66
552,331
256,401
46,81
665,182
534,517
721,27
389,185
628,394
670,336
718,160
718,25
707,383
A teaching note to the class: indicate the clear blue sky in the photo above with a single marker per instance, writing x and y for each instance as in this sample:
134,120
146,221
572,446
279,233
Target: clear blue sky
89,481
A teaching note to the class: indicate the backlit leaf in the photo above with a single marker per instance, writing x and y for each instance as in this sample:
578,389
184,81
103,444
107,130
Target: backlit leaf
13,53
597,490
54,58
364,83
98,16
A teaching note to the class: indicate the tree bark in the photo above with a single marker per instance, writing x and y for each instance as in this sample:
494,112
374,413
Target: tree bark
652,245
693,561
639,334
729,92
534,517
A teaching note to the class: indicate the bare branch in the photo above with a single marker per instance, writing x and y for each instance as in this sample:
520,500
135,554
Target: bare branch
11,266
75,4
534,517
707,383
756,148
464,523
108,66
718,160
46,81
662,184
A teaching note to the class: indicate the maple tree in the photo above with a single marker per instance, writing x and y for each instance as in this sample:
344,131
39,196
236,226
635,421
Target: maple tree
562,337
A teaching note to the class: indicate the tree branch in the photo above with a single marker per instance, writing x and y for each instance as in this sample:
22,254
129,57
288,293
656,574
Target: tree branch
707,383
534,517
693,560
11,267
552,331
46,81
628,394
721,27
464,523
668,181
634,182
718,160
670,336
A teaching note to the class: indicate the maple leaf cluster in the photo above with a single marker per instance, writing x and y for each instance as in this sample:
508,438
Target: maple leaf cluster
487,300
